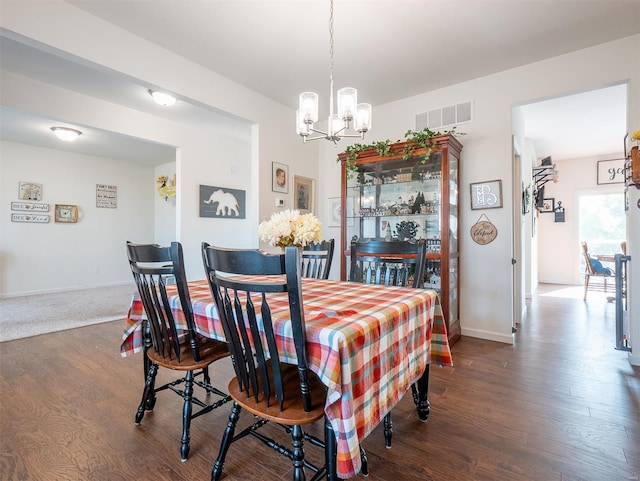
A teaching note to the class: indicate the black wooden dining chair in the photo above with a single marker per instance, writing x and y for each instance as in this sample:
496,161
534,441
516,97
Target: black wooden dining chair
317,258
154,268
288,394
389,263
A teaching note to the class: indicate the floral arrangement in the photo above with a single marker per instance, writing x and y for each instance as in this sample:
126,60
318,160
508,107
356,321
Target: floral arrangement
290,228
166,187
635,137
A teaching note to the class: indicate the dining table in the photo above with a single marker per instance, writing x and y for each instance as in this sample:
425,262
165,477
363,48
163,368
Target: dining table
367,343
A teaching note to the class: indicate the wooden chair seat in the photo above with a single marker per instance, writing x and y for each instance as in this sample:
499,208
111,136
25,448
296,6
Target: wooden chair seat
292,412
210,350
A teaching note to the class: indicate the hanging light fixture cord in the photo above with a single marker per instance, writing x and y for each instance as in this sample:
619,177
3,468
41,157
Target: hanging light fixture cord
330,62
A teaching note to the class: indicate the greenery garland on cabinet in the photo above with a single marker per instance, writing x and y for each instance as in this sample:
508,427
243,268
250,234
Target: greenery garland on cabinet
421,139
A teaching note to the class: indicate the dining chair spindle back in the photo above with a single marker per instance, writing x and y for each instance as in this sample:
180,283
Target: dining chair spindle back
155,269
317,258
288,394
395,263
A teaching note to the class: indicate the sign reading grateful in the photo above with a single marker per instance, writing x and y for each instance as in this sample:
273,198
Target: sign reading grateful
483,232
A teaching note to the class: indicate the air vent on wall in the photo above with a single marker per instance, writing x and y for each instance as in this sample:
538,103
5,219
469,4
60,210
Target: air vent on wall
445,116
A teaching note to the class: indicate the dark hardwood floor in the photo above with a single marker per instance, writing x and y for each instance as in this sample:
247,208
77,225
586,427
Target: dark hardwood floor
560,404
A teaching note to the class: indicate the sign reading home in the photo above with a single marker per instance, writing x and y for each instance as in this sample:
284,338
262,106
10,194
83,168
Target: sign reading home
222,202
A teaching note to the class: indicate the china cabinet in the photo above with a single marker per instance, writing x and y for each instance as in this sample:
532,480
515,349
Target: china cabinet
410,192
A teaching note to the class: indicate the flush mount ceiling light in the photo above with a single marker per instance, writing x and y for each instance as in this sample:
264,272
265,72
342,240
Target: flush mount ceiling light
349,110
66,134
163,99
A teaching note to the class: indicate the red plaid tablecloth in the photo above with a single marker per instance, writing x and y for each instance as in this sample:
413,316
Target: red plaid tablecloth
367,344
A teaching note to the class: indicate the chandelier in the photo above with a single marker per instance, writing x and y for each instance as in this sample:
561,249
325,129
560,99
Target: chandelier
349,110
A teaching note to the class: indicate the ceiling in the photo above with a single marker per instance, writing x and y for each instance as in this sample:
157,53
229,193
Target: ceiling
388,49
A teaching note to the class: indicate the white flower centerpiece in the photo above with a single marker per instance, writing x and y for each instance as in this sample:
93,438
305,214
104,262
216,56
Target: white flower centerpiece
290,228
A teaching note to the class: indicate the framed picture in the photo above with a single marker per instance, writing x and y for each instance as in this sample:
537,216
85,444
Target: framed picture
611,171
29,191
279,178
486,195
303,194
66,213
30,206
548,205
335,211
106,196
222,202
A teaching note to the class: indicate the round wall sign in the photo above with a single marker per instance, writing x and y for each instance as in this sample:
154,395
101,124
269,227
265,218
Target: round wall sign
483,231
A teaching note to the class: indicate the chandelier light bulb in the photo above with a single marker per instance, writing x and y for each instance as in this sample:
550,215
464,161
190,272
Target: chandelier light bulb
347,101
363,118
308,104
66,134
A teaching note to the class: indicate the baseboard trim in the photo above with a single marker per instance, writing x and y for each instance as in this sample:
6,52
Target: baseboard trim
65,289
488,335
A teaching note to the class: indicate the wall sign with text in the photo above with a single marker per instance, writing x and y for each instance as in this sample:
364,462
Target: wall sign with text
611,171
486,195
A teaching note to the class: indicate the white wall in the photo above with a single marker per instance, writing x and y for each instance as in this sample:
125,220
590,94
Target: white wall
559,241
486,277
237,154
40,258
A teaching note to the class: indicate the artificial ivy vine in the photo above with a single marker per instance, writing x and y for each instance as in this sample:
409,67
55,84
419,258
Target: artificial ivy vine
422,139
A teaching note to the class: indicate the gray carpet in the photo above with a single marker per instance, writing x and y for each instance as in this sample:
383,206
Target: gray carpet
39,314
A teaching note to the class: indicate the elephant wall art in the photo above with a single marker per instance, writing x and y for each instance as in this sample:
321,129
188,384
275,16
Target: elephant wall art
222,202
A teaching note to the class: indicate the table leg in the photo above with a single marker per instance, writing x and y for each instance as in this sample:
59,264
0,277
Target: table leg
420,390
330,451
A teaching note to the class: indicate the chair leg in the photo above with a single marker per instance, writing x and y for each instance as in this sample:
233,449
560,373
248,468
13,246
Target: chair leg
420,392
205,377
148,393
186,416
586,286
297,438
146,364
364,463
388,431
227,439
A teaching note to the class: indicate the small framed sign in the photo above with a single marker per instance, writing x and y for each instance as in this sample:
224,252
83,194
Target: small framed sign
66,213
30,218
29,191
548,205
30,206
610,171
486,195
106,196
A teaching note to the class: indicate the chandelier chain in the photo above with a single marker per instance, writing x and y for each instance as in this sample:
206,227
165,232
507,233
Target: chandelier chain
331,55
